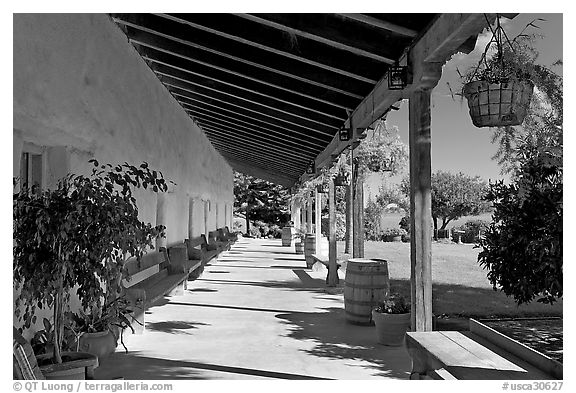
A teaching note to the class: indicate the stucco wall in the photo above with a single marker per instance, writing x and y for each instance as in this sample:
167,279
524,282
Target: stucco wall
78,83
81,91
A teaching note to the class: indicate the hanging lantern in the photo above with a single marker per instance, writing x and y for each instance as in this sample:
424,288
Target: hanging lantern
311,169
344,134
397,77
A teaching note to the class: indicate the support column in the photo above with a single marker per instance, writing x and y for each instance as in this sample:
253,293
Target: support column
358,218
295,210
206,212
420,210
318,219
161,219
309,214
349,215
332,279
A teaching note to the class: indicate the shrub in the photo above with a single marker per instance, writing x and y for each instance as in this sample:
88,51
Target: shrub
389,233
472,230
275,231
405,223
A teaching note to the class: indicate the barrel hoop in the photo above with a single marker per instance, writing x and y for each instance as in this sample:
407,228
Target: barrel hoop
367,273
362,286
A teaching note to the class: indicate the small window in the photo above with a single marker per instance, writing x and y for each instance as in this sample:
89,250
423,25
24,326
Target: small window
31,172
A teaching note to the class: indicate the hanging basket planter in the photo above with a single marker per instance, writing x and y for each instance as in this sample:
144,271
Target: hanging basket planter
322,189
342,179
498,104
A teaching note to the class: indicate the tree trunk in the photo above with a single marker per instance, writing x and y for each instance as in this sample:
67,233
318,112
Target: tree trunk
247,222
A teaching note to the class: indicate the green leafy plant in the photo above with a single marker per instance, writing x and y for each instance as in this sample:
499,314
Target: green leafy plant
522,247
393,304
79,235
388,233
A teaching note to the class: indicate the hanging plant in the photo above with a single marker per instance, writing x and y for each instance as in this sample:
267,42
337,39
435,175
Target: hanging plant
499,88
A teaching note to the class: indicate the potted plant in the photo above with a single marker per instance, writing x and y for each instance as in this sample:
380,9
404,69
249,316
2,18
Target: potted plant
98,331
499,89
78,235
299,243
392,320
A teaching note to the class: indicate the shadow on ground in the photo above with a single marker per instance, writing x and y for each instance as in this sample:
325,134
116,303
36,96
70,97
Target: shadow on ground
134,366
335,338
174,327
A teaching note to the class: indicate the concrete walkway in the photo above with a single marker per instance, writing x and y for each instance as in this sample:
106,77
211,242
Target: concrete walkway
256,313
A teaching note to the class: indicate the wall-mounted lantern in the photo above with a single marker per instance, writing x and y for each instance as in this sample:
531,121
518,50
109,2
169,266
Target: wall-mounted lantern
311,169
397,77
344,134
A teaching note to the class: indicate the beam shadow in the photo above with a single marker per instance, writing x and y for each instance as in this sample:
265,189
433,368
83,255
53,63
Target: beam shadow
258,267
231,307
133,366
335,338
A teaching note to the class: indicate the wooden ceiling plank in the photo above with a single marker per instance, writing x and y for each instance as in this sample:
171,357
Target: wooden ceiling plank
339,118
317,38
204,113
369,20
271,163
259,172
240,75
270,49
267,150
304,135
235,58
245,108
253,133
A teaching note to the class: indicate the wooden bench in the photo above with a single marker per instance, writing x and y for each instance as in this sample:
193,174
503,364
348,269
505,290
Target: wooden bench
215,239
151,280
199,249
464,355
323,259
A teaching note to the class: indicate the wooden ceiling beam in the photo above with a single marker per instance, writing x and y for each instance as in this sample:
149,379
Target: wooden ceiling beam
374,22
258,159
426,57
317,38
258,172
270,49
243,107
304,135
259,145
256,135
235,58
266,150
238,74
156,61
289,139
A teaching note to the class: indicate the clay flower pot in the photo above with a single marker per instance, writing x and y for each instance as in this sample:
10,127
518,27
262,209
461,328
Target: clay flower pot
391,328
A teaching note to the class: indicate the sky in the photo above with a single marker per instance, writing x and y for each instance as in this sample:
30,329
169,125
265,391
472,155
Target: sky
457,145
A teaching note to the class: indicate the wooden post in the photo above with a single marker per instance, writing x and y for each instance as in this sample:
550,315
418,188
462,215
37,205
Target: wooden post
358,219
420,210
318,219
309,214
332,279
349,215
206,211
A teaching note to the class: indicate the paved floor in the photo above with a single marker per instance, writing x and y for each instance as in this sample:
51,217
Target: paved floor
256,313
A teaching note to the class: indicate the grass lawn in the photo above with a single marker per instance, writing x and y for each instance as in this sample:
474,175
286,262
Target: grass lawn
460,287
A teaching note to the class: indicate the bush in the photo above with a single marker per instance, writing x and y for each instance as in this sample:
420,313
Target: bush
405,223
275,231
340,226
389,233
472,230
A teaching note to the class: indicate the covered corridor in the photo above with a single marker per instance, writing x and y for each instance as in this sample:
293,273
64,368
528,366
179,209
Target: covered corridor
256,313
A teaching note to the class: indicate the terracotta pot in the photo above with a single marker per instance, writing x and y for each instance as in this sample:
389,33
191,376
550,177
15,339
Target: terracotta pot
391,328
75,365
100,344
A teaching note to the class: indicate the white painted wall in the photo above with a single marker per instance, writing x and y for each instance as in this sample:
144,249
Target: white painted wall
82,91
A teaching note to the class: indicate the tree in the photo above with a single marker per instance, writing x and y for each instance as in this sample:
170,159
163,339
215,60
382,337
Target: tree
260,200
456,195
522,248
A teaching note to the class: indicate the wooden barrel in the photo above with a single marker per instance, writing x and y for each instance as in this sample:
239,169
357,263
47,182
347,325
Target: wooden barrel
287,236
367,284
309,248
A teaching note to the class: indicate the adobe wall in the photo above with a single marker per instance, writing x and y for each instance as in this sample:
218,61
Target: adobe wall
81,91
